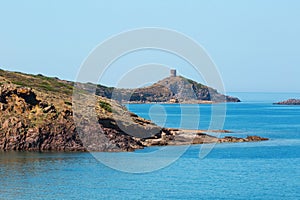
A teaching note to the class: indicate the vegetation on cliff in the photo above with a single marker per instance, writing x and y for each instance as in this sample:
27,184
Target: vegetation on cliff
37,114
177,88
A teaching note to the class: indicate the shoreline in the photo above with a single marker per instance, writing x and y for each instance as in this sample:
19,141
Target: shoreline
36,118
171,103
168,137
177,137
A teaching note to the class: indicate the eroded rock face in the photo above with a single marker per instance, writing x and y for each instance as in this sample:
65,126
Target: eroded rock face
18,132
34,121
16,99
8,91
31,124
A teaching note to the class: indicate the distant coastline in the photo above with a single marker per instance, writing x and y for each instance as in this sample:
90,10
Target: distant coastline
289,102
183,102
172,89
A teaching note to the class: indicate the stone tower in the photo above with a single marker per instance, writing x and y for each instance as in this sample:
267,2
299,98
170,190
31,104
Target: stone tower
173,73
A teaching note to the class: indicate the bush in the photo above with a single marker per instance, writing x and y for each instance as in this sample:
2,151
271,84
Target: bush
106,106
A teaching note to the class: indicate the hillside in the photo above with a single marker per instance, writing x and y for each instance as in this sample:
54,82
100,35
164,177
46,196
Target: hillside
169,90
182,90
37,114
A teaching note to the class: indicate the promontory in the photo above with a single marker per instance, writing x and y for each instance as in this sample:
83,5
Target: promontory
37,115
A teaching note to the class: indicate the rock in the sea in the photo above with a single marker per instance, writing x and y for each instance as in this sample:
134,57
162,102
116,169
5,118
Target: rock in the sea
187,137
253,138
232,99
289,102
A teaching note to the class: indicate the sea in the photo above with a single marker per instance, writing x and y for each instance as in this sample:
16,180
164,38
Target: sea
254,170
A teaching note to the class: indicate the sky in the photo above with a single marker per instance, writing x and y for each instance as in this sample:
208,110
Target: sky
254,44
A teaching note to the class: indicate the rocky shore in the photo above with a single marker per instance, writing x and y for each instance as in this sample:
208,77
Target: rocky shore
187,137
37,115
289,102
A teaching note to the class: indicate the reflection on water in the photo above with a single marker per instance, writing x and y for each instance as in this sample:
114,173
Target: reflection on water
22,174
33,162
262,170
231,171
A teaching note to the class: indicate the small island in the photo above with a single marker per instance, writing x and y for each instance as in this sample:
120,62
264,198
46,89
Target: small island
289,102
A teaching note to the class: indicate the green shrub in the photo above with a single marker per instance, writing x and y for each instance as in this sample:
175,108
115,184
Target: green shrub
19,83
68,103
106,106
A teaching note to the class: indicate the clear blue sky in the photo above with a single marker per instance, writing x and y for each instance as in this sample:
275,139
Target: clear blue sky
255,43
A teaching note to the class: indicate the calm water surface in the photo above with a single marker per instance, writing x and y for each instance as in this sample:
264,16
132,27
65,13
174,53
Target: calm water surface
263,170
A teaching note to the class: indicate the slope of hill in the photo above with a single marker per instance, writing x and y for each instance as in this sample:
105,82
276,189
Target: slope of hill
37,114
171,89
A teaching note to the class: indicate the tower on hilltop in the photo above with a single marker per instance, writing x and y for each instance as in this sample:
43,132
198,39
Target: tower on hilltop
173,73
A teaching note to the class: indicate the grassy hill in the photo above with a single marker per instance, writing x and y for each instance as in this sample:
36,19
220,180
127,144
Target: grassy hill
37,115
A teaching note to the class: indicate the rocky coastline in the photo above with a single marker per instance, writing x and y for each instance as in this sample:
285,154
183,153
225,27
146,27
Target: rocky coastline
37,115
187,137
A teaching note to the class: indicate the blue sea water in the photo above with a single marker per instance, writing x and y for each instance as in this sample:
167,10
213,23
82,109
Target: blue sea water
261,170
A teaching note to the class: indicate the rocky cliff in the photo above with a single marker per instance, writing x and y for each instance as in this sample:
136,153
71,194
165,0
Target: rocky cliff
36,114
